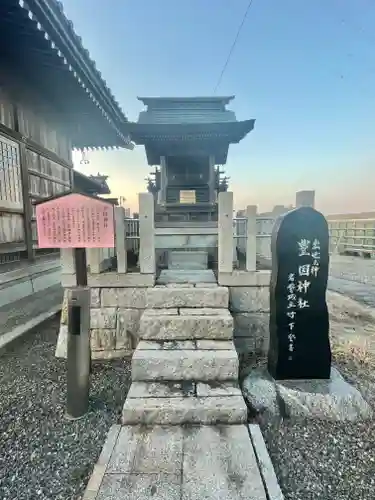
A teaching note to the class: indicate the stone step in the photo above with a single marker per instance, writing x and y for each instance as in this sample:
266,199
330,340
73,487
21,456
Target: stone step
162,297
188,410
173,324
184,364
183,276
183,389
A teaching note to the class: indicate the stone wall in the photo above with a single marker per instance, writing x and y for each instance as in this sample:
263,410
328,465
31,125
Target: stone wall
249,304
114,317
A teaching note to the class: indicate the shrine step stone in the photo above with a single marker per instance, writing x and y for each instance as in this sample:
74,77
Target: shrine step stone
168,324
184,364
163,297
193,277
183,389
184,410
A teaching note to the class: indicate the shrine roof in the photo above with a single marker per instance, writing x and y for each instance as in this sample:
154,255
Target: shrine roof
164,101
163,139
90,184
39,41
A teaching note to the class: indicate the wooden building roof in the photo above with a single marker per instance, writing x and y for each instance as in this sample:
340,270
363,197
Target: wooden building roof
40,42
92,184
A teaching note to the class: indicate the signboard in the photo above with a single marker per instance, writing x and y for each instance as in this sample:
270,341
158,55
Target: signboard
187,197
299,324
75,220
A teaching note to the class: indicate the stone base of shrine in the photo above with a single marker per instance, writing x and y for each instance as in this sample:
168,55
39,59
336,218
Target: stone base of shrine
333,399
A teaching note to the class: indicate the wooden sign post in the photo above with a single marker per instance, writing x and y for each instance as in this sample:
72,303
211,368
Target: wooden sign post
299,324
76,221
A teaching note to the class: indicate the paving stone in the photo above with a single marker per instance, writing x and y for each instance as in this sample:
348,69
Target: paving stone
219,463
178,411
147,451
212,345
162,389
205,311
183,327
130,298
211,389
102,339
161,298
103,318
184,365
140,487
145,345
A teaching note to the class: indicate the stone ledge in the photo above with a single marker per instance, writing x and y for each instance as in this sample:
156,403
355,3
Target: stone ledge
126,280
170,327
128,298
248,299
161,298
177,365
245,278
177,411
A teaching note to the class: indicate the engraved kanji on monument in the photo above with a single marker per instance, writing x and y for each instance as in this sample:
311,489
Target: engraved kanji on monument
299,324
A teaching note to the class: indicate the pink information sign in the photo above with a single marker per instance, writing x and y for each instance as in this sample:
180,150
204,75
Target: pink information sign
75,221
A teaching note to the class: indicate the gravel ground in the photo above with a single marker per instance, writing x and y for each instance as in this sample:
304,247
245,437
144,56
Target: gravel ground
42,455
332,460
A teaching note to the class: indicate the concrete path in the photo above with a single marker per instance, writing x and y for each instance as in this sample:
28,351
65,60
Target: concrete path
177,463
361,292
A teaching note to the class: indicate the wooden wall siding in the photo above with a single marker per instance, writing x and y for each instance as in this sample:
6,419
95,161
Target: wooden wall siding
11,228
41,127
6,110
10,173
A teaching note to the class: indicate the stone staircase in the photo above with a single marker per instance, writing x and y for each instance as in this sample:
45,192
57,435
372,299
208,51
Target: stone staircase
185,367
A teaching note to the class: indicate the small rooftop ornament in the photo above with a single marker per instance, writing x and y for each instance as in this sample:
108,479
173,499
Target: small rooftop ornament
299,324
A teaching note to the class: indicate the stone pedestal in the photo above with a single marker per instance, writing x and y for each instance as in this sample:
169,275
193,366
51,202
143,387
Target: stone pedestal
188,260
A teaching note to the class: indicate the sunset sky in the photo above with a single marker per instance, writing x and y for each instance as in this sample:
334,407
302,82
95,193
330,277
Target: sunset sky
304,70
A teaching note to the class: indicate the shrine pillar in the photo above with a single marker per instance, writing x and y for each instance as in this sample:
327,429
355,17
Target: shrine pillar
163,181
225,229
146,234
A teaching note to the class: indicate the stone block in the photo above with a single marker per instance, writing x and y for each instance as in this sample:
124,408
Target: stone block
214,389
130,298
170,345
160,298
64,309
182,276
62,342
179,365
102,339
245,278
202,312
213,345
178,411
127,327
183,327
103,318
252,329
187,260
162,312
162,389
112,354
220,463
332,399
121,280
249,299
95,297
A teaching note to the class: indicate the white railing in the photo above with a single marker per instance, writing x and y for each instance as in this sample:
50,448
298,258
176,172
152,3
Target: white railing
132,234
264,227
352,235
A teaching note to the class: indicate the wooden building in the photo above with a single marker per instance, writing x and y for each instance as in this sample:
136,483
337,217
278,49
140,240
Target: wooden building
52,100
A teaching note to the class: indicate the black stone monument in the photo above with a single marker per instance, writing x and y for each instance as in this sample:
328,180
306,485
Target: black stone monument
299,324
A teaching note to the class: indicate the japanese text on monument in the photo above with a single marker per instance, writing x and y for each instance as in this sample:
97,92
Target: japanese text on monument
299,284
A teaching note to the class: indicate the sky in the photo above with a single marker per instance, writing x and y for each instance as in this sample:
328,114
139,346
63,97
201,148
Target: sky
305,70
